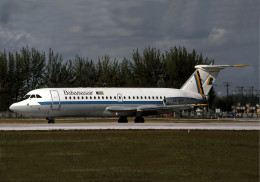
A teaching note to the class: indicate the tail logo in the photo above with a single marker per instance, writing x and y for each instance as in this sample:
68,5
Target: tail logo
210,81
199,84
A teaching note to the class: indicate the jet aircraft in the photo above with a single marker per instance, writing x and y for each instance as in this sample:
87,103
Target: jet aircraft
121,102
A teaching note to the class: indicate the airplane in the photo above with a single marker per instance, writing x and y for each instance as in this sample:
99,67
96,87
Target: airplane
121,102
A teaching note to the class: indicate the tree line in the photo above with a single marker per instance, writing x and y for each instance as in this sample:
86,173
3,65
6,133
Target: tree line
29,68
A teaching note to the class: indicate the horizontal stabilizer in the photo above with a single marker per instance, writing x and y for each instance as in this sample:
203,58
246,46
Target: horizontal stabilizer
202,79
217,67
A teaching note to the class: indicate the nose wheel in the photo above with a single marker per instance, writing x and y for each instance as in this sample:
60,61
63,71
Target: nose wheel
50,120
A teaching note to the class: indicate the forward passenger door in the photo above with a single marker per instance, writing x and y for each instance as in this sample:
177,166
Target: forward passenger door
55,100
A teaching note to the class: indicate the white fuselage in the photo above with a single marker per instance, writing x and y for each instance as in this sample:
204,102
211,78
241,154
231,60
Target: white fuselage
55,102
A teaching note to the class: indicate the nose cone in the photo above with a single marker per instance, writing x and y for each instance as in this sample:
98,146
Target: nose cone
16,108
12,108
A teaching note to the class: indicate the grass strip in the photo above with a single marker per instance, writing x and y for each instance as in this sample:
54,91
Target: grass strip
135,155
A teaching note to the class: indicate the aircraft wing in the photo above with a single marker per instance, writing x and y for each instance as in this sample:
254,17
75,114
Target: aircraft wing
162,109
121,110
145,109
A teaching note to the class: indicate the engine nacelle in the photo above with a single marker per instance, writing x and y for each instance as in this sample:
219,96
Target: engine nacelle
180,100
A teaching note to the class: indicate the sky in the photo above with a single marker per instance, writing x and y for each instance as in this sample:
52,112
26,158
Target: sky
226,31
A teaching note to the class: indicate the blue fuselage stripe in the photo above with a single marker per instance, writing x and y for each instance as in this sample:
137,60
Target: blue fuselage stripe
99,102
197,83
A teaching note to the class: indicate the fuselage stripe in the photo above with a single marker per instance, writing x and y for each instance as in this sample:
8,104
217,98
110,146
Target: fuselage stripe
99,102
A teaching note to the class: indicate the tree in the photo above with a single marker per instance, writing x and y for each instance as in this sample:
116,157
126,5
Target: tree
85,73
38,62
179,65
4,100
125,74
147,67
53,70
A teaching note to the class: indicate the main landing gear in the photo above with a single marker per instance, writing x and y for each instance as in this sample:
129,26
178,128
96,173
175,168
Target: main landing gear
138,119
50,120
122,119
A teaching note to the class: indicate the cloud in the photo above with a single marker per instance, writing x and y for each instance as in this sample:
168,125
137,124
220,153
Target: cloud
218,36
12,39
6,11
224,30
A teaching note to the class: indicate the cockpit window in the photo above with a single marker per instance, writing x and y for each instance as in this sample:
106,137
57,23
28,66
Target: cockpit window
38,96
32,96
26,97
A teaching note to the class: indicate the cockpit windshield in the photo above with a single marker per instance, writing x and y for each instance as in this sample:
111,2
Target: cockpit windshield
30,96
26,97
38,96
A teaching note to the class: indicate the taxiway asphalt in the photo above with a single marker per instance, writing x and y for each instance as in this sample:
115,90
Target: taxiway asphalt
132,126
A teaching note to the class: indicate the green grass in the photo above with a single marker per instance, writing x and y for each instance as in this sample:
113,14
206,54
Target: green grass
123,155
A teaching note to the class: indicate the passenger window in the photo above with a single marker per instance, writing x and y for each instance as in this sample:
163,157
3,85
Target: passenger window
78,97
144,97
160,97
129,97
156,97
94,97
98,97
110,97
133,97
82,97
90,97
74,98
149,97
153,97
119,97
164,97
124,97
102,97
70,98
141,97
114,97
86,97
66,98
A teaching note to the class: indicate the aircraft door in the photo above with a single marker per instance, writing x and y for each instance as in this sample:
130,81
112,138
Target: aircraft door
119,97
55,100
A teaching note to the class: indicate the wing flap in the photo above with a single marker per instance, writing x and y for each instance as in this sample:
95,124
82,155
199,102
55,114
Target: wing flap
152,109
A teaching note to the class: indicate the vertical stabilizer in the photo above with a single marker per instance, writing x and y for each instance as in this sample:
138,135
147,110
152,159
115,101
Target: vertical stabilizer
201,81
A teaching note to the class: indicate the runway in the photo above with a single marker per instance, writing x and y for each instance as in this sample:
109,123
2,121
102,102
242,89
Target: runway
132,126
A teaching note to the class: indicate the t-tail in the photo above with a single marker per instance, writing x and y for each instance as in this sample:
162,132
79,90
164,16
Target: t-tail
203,78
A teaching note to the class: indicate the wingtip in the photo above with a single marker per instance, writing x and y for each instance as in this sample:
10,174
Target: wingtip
240,65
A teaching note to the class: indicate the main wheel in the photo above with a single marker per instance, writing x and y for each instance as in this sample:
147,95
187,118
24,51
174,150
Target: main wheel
139,119
122,119
50,120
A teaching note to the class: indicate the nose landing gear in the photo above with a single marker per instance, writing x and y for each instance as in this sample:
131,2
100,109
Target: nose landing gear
50,120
